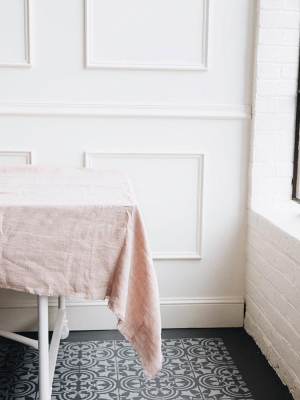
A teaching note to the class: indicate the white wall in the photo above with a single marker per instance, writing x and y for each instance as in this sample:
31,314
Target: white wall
273,249
125,91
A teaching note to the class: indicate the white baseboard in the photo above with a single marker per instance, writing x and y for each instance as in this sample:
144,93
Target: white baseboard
187,312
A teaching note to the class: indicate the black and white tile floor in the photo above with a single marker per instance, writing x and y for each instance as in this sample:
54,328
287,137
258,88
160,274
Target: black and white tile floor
192,369
223,364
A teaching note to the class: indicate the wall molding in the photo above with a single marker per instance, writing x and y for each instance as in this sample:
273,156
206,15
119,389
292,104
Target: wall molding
90,63
164,301
26,62
209,112
181,312
10,153
197,255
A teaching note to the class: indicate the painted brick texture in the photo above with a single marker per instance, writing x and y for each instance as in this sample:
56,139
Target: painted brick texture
273,257
273,297
274,100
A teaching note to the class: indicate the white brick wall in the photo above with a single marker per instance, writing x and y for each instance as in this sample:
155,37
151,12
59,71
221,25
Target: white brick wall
273,257
274,102
273,297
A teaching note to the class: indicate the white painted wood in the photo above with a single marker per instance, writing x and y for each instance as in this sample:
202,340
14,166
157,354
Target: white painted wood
19,338
13,157
103,303
65,329
195,312
14,33
62,302
44,387
170,35
169,191
55,340
202,316
209,112
47,357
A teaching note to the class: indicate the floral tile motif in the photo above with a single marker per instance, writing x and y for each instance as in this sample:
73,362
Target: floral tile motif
193,369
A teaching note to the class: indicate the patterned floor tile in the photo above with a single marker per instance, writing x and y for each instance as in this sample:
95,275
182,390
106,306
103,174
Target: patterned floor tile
193,369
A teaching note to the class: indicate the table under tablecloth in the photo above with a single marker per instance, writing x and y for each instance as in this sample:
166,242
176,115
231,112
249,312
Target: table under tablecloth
78,233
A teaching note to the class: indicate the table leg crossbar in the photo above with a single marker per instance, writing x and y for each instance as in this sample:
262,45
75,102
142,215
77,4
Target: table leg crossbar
19,338
47,356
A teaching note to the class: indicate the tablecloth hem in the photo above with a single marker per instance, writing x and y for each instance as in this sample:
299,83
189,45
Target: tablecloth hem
148,374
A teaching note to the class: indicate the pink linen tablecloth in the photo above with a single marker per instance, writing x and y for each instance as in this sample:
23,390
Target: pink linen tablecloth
78,233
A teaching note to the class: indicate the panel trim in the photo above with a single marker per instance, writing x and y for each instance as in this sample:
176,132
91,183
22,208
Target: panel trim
208,112
89,63
197,255
27,154
26,62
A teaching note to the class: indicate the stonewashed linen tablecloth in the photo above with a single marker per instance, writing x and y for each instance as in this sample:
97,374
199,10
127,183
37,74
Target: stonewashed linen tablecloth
78,233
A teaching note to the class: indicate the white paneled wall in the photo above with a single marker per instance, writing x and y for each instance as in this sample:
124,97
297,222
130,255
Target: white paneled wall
15,157
163,91
172,34
169,191
14,33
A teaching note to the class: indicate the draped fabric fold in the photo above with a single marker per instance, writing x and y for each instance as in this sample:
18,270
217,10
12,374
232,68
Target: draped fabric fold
78,233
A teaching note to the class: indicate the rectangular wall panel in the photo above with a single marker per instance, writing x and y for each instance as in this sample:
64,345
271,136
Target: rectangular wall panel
169,191
149,34
15,157
14,33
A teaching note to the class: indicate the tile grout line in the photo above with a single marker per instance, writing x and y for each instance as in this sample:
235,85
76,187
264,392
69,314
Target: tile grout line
117,369
192,369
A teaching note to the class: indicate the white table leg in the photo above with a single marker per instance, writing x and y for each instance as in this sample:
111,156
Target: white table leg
44,387
65,329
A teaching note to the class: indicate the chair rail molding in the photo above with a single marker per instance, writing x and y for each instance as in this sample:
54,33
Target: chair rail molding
26,62
197,254
207,112
91,63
